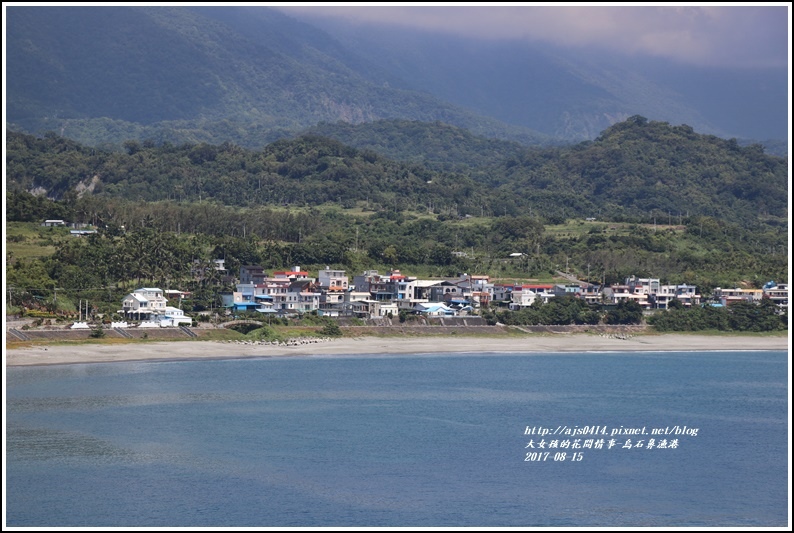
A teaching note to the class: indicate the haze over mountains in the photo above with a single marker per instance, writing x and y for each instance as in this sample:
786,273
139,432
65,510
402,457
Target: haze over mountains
251,75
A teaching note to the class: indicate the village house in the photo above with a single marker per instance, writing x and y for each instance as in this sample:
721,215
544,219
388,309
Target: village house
330,278
778,293
591,294
302,297
295,274
525,295
332,301
252,274
686,294
53,223
435,309
615,294
502,292
729,296
150,305
569,289
374,295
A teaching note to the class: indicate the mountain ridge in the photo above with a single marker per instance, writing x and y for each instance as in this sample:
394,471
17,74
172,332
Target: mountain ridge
252,75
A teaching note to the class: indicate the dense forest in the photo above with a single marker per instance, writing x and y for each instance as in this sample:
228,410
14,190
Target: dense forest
194,75
636,170
250,75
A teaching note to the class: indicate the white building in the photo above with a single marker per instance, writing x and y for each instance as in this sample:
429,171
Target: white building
174,317
686,294
150,305
729,296
778,294
520,299
330,278
616,294
144,303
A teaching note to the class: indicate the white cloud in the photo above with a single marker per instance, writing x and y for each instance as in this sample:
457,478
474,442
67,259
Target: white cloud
749,35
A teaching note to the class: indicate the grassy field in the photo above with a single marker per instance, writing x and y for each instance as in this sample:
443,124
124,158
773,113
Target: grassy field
577,228
28,240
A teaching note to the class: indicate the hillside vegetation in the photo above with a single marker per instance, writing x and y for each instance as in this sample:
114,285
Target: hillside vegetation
191,75
637,170
164,211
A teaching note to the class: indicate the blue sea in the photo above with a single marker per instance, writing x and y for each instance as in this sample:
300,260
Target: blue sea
394,440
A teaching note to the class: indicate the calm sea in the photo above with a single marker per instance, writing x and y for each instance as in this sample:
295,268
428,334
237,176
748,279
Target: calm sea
420,440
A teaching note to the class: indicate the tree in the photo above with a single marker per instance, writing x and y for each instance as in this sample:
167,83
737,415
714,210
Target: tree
390,255
626,312
331,329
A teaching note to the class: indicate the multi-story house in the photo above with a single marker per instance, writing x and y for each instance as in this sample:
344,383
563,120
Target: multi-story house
544,290
150,304
521,298
404,291
778,293
592,294
295,274
144,303
368,309
446,290
362,283
302,297
423,289
276,290
475,289
382,288
351,298
502,293
646,286
686,294
616,294
332,301
729,296
252,274
525,295
570,289
330,278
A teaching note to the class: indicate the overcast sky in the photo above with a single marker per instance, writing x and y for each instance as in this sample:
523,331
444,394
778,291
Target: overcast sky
729,35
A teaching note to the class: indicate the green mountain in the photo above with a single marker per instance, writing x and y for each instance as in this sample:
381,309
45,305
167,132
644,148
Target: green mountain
652,168
173,74
435,145
251,75
569,93
637,169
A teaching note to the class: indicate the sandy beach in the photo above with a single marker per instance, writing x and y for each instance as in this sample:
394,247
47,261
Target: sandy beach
187,350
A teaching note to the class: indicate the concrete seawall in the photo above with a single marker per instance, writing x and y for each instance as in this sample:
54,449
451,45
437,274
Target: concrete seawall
396,328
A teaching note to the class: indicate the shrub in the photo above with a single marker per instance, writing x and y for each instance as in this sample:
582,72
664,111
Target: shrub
331,329
263,333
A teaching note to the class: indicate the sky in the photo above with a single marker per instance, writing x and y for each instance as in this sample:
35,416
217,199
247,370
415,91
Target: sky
731,35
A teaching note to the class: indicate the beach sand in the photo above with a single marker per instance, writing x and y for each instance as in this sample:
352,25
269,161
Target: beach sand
187,350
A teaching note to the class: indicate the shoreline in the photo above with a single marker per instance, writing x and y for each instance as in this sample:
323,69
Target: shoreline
371,346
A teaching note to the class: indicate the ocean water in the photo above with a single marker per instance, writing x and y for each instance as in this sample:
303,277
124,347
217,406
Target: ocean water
422,440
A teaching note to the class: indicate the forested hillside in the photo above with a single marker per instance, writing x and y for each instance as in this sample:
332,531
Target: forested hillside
173,74
636,170
668,203
435,145
653,168
250,75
